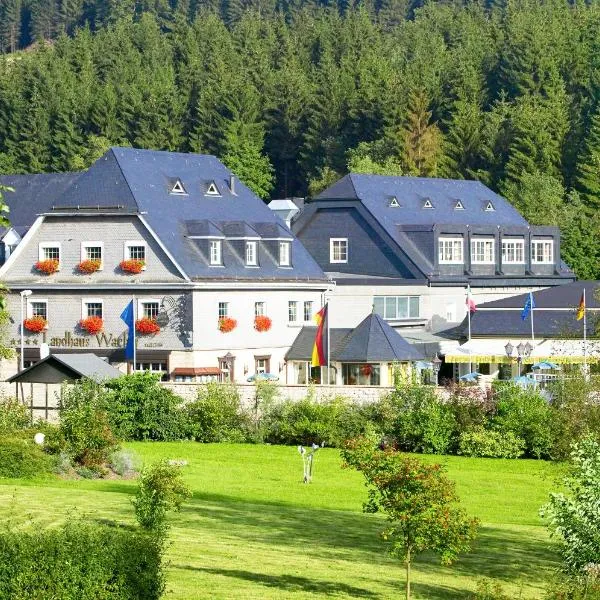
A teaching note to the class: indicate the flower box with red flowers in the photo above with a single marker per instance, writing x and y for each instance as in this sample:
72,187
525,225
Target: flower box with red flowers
132,266
89,266
48,266
35,324
262,323
147,326
227,324
92,325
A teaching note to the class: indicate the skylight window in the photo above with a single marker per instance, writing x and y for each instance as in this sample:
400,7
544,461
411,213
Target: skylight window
490,207
459,205
394,202
178,189
212,190
427,204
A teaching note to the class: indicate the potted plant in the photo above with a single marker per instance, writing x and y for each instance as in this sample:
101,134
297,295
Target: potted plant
262,323
90,265
226,324
47,266
147,326
132,266
92,325
35,324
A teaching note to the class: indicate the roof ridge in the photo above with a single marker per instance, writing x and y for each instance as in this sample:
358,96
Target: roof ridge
125,177
383,330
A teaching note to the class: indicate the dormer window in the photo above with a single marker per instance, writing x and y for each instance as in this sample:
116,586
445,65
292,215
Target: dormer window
542,252
482,251
489,207
49,251
215,255
251,254
284,254
394,202
450,251
178,189
459,205
338,250
212,190
427,204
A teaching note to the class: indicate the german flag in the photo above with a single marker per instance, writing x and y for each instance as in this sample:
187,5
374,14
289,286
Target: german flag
581,308
319,353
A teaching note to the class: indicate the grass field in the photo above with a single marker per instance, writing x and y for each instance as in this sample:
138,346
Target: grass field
252,530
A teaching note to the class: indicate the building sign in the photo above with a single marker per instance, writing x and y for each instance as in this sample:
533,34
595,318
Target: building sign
103,340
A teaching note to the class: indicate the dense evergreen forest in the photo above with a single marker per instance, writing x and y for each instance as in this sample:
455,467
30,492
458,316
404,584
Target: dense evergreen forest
292,93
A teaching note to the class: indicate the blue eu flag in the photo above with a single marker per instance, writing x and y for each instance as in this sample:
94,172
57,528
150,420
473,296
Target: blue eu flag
529,304
127,317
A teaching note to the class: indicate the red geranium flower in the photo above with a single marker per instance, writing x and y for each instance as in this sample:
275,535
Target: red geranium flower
48,266
92,325
89,266
262,323
132,266
147,326
227,324
35,324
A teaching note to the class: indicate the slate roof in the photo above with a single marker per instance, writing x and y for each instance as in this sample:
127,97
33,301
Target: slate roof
373,340
77,365
502,318
130,180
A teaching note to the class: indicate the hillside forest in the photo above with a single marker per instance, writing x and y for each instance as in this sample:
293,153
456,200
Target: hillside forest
292,94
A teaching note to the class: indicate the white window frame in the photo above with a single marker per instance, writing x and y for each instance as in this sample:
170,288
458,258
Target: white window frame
263,311
489,248
218,244
252,261
86,245
84,305
226,306
396,298
128,244
46,245
295,304
285,256
453,260
140,306
29,308
544,261
332,247
519,245
304,307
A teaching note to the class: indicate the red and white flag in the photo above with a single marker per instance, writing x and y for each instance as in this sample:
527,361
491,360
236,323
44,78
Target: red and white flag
470,302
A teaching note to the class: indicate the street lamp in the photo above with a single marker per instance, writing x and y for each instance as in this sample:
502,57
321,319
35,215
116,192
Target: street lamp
24,294
523,351
437,363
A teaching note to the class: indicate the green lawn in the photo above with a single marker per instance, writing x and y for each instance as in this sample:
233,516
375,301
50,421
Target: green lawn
252,530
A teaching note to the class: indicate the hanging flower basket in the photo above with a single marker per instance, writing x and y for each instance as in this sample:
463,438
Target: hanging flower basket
47,266
89,266
35,324
132,266
147,326
92,325
227,324
262,323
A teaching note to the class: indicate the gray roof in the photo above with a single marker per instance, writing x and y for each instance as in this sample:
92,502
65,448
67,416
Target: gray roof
129,180
493,318
73,366
412,193
373,340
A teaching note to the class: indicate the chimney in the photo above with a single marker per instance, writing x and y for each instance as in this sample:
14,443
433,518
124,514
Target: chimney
286,209
232,183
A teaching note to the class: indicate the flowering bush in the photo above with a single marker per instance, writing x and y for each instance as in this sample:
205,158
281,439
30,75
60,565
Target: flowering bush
132,266
262,323
92,325
89,266
227,324
147,326
48,266
35,324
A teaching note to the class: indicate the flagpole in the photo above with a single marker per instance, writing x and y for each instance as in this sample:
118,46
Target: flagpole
469,322
133,331
584,336
328,344
531,309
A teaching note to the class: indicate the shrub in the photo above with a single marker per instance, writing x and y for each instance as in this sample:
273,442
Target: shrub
22,458
471,407
160,490
216,415
85,431
418,419
490,444
488,590
14,416
81,561
139,408
123,462
526,414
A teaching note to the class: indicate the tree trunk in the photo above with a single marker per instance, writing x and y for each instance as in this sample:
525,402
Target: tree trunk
407,562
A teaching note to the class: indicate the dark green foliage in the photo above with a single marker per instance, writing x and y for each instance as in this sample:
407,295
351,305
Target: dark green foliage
216,416
14,416
80,562
160,489
22,457
139,408
488,590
